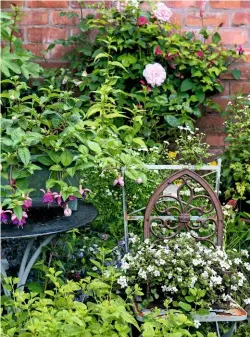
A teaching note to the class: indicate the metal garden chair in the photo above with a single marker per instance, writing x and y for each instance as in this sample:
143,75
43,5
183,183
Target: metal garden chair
185,201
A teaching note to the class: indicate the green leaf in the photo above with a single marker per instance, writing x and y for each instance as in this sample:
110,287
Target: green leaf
55,156
171,120
236,74
187,84
18,212
185,306
24,155
45,160
94,147
190,299
216,37
200,95
66,157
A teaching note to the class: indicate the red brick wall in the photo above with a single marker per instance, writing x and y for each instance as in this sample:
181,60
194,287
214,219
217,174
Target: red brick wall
41,24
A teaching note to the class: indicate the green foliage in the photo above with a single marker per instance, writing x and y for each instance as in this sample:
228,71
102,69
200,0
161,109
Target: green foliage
14,58
193,66
236,158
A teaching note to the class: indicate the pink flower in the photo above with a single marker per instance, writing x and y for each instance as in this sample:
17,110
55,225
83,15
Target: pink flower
139,181
48,197
162,12
158,51
200,53
142,20
83,191
119,181
58,198
72,197
240,49
3,215
27,202
18,222
67,211
155,74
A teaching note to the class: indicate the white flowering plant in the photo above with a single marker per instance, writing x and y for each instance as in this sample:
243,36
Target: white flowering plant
187,273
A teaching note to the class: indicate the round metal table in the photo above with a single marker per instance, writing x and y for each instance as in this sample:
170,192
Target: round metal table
50,224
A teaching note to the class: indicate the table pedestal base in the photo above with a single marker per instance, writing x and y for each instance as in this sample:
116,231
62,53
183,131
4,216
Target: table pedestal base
26,265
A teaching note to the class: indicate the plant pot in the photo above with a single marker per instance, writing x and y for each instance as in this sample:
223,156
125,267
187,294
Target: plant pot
73,204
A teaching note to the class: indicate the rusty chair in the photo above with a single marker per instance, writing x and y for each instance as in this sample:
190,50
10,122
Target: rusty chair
185,201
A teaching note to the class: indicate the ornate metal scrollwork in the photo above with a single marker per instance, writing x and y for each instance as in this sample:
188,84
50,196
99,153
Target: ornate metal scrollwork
193,206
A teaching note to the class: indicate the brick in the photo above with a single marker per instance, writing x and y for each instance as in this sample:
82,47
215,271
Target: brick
240,19
56,19
37,49
48,4
234,36
245,4
34,18
46,34
247,54
214,19
222,101
52,65
20,34
225,4
240,87
176,19
216,140
244,69
75,4
8,3
211,123
59,51
183,4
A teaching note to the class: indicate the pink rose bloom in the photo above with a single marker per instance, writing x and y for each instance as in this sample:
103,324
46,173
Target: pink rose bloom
142,20
162,12
154,74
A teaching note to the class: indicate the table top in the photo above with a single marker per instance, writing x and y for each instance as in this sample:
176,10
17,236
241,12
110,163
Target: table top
50,220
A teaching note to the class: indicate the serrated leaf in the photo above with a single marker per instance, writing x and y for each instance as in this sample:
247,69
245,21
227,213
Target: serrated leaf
66,157
24,155
55,156
94,147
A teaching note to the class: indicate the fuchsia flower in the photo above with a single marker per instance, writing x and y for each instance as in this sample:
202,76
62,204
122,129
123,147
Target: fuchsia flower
27,202
18,222
200,53
240,49
4,216
83,191
67,211
119,181
142,20
58,198
154,74
162,12
48,197
158,51
72,197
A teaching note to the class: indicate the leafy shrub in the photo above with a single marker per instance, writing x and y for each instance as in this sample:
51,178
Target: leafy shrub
236,158
135,39
14,58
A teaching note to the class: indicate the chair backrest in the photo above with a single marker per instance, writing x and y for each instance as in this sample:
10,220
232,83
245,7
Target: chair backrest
184,201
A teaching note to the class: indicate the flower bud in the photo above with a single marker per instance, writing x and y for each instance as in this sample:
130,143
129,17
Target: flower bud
139,180
67,211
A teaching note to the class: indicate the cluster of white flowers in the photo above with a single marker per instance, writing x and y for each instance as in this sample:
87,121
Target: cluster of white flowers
122,281
184,263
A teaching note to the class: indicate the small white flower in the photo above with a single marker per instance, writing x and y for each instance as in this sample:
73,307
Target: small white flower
247,266
244,252
122,281
125,266
84,73
237,261
247,301
156,273
196,323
